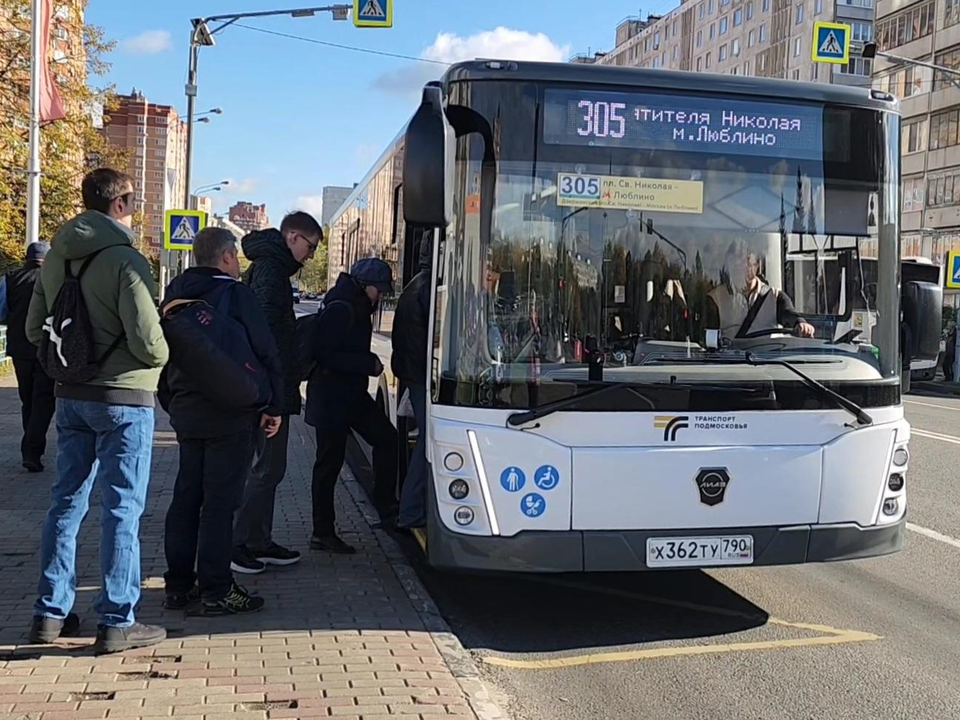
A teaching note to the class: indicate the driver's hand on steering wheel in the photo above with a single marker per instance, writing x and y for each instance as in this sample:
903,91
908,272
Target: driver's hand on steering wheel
805,329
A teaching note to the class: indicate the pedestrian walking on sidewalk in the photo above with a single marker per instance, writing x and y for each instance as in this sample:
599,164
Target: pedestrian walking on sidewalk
216,442
104,425
37,402
276,256
338,401
409,363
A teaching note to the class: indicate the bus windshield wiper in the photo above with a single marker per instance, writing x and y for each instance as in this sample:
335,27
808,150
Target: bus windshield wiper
521,418
822,390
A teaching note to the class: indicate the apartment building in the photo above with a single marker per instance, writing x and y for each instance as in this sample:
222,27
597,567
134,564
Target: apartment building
249,217
763,38
926,30
155,139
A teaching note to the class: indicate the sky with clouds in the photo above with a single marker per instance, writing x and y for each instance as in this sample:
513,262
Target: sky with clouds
298,115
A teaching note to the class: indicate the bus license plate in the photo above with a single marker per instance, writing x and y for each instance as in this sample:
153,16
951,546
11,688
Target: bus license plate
718,550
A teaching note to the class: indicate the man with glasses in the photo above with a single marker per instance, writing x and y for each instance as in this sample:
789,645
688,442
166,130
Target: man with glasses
276,256
104,425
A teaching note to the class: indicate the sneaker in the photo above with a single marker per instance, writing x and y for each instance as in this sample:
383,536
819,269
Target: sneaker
45,630
119,639
33,466
245,563
331,543
181,601
237,602
277,555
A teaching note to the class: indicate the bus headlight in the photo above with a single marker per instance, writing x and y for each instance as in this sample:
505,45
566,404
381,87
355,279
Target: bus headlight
901,457
459,489
891,506
453,462
895,483
463,516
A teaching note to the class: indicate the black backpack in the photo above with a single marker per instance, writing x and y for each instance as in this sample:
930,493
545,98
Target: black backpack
67,350
308,339
211,352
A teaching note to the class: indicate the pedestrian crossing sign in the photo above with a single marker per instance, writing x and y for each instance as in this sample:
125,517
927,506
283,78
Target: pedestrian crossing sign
953,270
181,227
373,13
831,43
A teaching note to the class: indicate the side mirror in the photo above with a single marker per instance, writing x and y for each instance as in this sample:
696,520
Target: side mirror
428,158
922,312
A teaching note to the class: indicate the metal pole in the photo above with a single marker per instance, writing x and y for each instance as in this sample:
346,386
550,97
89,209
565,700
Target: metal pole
191,93
33,163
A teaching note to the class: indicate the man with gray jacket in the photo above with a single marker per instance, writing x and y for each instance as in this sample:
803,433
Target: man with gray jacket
104,426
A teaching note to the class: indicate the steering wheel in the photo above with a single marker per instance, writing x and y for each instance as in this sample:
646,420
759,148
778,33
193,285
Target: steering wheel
764,333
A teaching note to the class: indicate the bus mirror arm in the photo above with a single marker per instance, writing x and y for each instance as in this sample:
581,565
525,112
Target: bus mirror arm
863,419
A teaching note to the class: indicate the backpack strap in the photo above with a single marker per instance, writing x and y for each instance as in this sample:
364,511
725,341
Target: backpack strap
86,262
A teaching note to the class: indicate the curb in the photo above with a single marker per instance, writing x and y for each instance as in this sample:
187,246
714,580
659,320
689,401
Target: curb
454,654
939,389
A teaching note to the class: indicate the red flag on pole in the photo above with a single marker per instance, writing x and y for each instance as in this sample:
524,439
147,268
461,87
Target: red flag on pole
51,104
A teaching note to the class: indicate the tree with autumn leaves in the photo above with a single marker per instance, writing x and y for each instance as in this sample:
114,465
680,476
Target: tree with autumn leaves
69,147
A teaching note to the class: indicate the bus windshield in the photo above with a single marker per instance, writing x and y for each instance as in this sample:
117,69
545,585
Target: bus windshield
656,239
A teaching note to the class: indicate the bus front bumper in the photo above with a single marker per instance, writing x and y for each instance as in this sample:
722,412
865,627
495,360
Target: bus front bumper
625,550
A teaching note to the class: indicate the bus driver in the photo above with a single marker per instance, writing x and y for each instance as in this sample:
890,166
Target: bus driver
755,306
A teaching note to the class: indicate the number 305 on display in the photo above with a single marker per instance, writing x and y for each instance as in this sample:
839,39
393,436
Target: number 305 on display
580,187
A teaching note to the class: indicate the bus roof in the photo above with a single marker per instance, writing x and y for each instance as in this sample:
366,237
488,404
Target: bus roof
666,80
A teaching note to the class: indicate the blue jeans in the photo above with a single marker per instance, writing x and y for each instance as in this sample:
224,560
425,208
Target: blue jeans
413,496
113,445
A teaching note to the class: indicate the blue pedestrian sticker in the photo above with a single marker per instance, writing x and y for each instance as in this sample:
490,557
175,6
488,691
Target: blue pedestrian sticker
512,479
533,505
547,477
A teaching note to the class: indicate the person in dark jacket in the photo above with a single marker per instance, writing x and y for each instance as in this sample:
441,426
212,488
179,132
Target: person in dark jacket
411,325
216,444
37,400
276,256
338,399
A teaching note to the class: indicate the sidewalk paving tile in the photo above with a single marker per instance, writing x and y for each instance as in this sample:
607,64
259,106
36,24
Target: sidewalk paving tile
339,636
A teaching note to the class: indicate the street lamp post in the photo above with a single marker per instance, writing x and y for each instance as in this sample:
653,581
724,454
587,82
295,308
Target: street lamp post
202,35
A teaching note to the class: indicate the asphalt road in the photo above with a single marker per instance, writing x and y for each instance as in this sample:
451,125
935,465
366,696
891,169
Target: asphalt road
870,639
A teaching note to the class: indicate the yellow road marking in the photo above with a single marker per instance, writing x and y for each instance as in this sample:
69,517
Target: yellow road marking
420,537
829,636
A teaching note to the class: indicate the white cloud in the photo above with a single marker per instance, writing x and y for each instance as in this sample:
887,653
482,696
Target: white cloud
312,204
150,42
501,44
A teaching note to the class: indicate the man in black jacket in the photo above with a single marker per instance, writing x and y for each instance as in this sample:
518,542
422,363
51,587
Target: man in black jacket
338,400
276,256
35,387
216,443
411,325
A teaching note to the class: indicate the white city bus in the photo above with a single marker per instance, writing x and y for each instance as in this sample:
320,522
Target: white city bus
601,397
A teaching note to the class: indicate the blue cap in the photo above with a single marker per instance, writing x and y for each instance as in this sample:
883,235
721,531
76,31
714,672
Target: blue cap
37,250
373,271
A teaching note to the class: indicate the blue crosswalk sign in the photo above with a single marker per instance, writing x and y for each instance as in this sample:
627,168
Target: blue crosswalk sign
953,270
181,227
373,13
831,43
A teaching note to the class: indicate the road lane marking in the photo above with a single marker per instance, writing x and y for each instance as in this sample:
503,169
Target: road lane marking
952,439
838,638
828,636
934,405
933,534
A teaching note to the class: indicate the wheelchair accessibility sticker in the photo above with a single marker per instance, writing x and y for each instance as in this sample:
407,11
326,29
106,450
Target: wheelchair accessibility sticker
547,477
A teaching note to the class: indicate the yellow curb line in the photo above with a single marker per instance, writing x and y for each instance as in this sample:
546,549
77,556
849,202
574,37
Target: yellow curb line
829,636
